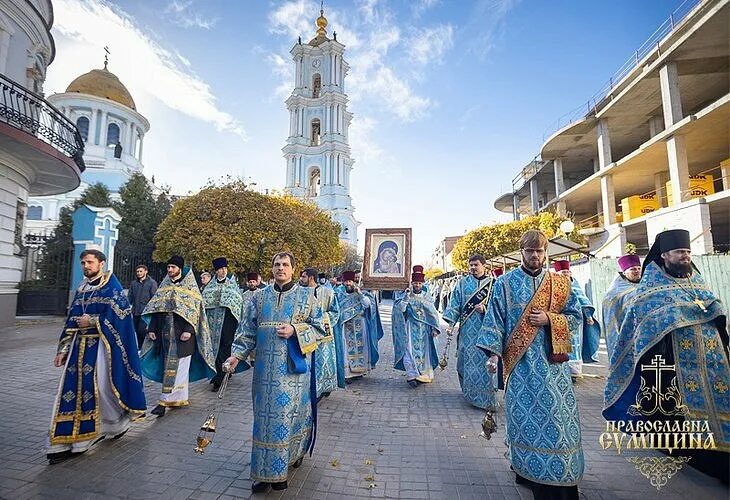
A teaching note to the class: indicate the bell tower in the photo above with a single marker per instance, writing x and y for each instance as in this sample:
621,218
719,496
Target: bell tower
317,151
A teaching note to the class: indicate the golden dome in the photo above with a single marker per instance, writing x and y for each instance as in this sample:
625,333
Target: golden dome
321,30
102,83
321,23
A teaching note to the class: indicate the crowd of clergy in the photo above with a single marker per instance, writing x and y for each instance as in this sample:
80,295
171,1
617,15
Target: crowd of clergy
526,332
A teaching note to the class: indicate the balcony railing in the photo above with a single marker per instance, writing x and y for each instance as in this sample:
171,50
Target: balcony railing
650,46
29,112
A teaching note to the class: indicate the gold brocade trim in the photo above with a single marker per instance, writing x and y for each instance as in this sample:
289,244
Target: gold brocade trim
547,451
134,413
560,333
551,296
271,324
173,404
120,313
283,444
120,344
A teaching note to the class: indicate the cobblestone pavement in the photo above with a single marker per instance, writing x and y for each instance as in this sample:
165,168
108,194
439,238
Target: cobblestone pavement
377,439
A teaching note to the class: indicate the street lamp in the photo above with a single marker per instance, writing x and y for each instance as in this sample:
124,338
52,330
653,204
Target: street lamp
567,226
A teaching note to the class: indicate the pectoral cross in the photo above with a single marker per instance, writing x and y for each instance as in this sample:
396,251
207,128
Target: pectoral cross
700,304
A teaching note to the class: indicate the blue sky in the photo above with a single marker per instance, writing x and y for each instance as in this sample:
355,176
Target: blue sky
451,98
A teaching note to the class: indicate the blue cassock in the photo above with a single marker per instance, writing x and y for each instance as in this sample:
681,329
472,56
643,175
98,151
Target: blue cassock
77,416
477,384
542,421
414,318
613,309
284,385
663,318
588,337
361,331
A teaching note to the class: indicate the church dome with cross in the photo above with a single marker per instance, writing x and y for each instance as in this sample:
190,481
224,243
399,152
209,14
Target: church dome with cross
113,131
102,83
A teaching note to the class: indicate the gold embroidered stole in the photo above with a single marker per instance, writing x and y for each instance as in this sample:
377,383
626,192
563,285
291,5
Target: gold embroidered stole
551,297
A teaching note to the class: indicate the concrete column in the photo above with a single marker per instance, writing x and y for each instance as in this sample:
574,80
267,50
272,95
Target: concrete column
561,209
534,196
559,181
678,167
596,165
515,207
671,102
141,146
725,172
604,145
334,70
291,122
608,200
660,180
656,125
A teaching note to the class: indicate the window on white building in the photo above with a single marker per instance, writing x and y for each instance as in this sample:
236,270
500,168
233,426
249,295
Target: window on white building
315,132
314,182
35,213
316,85
112,134
83,125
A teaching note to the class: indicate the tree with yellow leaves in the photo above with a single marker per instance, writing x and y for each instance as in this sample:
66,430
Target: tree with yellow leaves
247,228
497,239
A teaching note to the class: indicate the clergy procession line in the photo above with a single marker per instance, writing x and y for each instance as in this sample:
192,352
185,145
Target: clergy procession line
527,332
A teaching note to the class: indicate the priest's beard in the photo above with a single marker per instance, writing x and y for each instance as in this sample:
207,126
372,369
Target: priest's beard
252,287
678,270
349,288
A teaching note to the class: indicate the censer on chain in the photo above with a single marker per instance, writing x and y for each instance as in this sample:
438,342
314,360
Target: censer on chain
444,361
489,425
207,430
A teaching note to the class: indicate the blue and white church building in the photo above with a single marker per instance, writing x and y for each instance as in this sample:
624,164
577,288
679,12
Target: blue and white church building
317,152
113,132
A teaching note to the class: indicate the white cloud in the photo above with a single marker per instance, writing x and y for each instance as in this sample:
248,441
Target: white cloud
430,44
487,20
83,27
370,37
420,6
181,13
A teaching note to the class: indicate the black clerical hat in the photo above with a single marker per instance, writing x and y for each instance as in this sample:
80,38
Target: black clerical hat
219,262
176,260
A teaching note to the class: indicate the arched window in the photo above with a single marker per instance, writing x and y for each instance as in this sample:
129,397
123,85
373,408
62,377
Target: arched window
316,85
314,183
315,126
83,125
35,213
112,134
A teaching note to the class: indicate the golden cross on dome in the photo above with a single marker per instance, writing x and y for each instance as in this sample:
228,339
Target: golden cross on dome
106,56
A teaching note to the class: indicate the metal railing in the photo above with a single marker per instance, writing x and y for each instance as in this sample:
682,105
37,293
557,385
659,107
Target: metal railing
29,112
650,46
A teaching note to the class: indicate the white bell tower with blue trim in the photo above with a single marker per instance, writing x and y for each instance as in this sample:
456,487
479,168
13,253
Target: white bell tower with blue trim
317,152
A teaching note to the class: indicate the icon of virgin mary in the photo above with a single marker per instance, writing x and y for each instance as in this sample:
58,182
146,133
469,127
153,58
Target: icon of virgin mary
387,260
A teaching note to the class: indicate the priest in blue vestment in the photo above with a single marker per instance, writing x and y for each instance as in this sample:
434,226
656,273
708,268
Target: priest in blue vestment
361,328
327,359
281,325
101,388
223,303
415,324
178,349
618,297
677,327
587,337
529,320
466,308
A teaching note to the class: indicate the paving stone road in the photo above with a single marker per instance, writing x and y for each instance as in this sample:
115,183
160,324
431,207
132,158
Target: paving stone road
377,439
